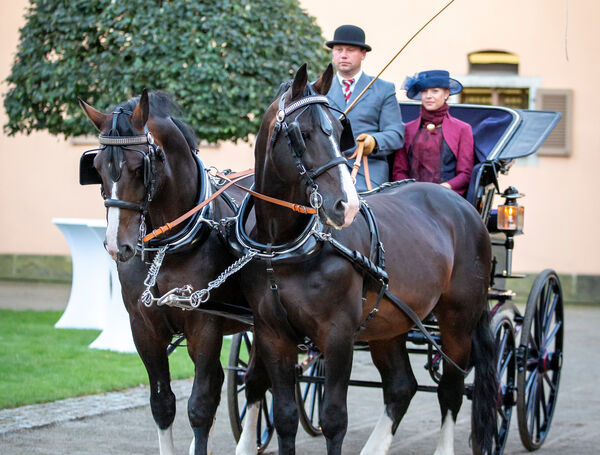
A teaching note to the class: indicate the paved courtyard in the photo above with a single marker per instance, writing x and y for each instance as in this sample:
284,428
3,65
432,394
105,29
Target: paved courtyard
121,423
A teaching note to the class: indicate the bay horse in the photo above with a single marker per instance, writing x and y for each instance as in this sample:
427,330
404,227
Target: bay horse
438,259
149,175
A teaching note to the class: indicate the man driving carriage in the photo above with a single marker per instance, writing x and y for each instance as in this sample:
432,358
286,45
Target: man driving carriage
376,117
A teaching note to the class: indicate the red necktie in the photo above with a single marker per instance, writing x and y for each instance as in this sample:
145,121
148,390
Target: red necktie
347,84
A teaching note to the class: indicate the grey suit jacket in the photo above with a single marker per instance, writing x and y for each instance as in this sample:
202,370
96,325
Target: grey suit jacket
376,113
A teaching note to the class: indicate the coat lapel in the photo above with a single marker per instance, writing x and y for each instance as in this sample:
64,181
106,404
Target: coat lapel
335,94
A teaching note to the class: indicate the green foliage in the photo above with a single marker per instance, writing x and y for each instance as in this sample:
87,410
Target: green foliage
222,60
40,363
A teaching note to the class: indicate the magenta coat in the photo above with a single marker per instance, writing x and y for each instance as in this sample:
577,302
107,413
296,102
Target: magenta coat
458,135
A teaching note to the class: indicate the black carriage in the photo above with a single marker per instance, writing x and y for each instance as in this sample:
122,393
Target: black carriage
529,343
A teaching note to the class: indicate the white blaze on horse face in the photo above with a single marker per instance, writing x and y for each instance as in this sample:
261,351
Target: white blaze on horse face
351,206
446,442
165,441
381,438
112,228
247,443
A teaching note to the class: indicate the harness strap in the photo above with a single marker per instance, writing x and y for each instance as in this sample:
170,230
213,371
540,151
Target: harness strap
126,205
167,227
333,163
278,306
414,318
290,205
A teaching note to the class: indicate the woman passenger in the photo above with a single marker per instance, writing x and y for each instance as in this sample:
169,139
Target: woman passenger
437,147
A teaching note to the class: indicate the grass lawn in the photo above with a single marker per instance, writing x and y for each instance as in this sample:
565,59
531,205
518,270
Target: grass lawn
39,363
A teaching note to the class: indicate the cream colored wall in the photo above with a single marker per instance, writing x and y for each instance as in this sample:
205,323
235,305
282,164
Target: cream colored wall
561,209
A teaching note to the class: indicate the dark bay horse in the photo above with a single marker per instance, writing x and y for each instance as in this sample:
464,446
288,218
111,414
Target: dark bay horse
149,176
438,260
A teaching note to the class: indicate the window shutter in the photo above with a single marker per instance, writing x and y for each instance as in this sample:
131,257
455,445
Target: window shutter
558,143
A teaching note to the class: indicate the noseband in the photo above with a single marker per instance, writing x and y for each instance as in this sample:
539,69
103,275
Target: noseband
296,143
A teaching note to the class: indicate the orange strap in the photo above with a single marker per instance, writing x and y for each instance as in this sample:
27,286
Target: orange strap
295,207
358,154
167,227
233,180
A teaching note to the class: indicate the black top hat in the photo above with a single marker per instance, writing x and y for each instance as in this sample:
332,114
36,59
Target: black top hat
349,34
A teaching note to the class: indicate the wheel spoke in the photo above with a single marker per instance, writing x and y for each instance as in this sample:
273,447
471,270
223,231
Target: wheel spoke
506,363
552,335
549,382
530,381
502,349
543,400
550,311
243,412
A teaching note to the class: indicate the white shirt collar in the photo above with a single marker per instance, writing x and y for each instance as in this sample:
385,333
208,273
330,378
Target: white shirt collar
356,78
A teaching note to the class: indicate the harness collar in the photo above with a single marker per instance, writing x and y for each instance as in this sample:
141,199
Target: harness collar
297,250
197,227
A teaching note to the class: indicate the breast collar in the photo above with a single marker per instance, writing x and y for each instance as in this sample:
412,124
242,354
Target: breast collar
198,226
298,250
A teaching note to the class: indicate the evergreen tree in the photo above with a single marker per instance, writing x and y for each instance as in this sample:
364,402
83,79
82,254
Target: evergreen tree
222,60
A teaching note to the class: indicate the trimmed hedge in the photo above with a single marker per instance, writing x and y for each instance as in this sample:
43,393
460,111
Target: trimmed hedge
222,60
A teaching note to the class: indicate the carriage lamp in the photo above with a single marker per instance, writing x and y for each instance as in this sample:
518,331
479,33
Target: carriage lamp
511,215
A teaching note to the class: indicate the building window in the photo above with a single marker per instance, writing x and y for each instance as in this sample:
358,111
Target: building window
493,79
496,96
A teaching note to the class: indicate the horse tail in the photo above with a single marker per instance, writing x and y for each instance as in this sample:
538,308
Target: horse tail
485,387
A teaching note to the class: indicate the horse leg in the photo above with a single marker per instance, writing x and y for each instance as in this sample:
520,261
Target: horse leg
257,383
456,343
399,386
204,342
338,366
152,349
279,354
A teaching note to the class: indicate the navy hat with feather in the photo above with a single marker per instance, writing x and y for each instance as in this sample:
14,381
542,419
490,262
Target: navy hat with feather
430,79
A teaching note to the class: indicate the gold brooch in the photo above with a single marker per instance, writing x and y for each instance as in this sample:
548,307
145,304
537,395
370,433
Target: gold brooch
430,126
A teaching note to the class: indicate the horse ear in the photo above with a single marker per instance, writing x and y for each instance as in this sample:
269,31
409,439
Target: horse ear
323,84
141,112
99,119
300,81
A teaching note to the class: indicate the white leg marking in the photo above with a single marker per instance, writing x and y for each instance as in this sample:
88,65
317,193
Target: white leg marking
165,441
381,438
112,227
192,449
247,443
446,442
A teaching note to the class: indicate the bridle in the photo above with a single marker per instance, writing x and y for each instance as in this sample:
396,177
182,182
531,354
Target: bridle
116,145
296,143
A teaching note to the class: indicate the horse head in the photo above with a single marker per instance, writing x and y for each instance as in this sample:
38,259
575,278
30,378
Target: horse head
138,180
297,154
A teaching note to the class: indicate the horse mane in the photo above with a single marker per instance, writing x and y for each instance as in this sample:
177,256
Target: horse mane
163,105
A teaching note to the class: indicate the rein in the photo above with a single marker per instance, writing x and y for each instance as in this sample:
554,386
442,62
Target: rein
297,146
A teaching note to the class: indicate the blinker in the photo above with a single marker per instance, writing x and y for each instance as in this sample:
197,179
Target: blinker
88,175
295,137
347,137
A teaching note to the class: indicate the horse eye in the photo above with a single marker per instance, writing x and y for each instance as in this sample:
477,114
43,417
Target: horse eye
305,135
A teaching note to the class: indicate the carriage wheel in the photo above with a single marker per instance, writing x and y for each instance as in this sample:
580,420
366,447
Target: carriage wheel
309,395
540,359
239,354
506,368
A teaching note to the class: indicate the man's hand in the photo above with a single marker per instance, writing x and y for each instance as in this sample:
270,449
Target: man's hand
369,142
